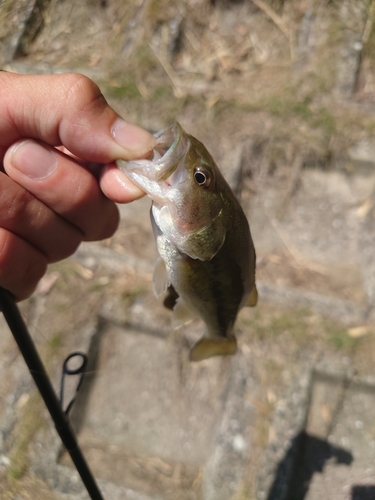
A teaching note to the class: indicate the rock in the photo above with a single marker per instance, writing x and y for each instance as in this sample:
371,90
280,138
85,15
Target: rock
14,27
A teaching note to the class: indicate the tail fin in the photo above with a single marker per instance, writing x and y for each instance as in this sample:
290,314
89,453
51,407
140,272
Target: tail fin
208,347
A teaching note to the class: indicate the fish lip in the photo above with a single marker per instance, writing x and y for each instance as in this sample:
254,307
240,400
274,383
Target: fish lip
161,169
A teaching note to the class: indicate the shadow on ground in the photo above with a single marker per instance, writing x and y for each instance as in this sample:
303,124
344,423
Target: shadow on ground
306,456
363,493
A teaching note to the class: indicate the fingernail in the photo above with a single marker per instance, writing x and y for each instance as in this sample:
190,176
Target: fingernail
137,141
34,160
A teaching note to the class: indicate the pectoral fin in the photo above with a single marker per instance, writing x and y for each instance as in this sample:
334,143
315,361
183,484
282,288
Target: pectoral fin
208,347
160,278
253,299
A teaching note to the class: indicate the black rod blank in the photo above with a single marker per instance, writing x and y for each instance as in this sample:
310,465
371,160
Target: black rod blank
43,383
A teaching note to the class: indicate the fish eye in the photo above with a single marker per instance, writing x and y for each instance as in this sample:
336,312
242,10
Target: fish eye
202,177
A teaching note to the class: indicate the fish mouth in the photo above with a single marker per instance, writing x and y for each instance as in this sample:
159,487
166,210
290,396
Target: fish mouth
151,174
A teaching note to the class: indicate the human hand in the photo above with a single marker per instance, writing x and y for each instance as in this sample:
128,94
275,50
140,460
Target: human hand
51,200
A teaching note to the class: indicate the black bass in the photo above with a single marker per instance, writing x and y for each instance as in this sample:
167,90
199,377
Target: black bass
207,256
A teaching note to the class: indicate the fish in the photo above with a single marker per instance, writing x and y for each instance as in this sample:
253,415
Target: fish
206,265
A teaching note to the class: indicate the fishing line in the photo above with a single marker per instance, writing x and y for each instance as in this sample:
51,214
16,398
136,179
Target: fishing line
54,405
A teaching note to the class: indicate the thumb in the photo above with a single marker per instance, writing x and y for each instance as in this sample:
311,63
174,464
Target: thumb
68,110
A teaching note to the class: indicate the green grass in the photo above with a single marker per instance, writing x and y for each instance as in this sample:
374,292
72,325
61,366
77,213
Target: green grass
163,92
298,326
324,120
287,106
55,343
264,326
144,59
126,89
131,295
340,340
30,422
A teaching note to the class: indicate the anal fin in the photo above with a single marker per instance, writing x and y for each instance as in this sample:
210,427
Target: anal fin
253,299
182,313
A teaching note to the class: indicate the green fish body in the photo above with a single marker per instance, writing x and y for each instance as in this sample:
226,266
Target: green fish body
207,256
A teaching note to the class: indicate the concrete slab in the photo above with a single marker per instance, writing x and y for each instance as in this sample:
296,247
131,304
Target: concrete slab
227,466
352,432
152,433
335,197
133,410
332,455
155,424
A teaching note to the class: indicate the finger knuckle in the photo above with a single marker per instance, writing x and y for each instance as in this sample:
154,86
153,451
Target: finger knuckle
14,205
80,90
105,225
24,215
21,266
112,222
67,248
34,270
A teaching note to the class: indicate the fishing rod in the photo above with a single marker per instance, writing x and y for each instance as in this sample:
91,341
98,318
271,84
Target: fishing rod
55,406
